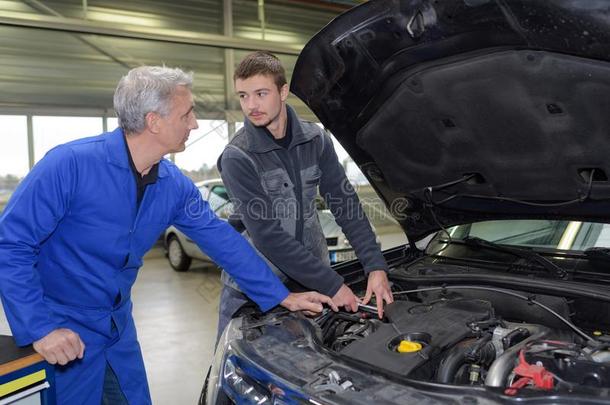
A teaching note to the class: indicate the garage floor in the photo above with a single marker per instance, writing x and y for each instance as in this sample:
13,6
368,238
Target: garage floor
176,316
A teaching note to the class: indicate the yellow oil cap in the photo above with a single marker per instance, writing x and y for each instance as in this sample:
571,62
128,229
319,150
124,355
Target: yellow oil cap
597,333
406,346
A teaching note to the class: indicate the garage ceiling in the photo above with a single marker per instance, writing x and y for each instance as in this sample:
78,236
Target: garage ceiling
54,61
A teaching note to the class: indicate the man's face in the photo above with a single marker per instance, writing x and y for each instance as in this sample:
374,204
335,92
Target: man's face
260,99
177,125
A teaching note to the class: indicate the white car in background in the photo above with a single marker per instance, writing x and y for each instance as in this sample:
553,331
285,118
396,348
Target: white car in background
181,250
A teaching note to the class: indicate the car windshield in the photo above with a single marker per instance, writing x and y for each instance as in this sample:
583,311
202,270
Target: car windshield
562,235
217,197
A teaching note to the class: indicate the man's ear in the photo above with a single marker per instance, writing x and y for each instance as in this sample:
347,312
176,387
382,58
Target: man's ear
284,92
152,122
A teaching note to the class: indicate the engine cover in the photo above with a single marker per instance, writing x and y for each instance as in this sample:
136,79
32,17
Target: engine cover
436,326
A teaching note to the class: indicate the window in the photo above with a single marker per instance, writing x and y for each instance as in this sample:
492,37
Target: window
112,123
218,198
220,191
563,235
14,146
204,146
14,161
52,131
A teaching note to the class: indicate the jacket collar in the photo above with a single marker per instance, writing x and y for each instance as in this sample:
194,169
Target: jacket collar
259,142
116,152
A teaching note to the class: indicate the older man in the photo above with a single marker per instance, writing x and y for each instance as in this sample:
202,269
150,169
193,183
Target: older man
73,235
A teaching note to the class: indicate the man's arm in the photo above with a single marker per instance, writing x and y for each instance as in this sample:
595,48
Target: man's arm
255,210
343,202
345,205
32,214
234,254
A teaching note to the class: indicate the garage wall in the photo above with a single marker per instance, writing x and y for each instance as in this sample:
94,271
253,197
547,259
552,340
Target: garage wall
42,69
56,83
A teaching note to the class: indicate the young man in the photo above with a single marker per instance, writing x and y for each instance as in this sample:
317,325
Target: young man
272,169
73,235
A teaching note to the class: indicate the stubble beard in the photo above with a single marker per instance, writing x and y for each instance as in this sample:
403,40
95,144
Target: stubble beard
269,121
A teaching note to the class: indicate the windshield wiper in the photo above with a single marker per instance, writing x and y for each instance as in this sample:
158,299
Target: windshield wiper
526,254
597,253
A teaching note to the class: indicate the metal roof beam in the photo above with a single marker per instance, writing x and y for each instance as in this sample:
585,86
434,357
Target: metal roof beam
140,32
229,65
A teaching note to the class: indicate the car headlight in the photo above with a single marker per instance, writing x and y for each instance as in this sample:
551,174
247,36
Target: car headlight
241,388
227,374
231,333
244,381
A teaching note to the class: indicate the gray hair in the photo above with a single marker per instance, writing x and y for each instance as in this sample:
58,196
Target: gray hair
147,89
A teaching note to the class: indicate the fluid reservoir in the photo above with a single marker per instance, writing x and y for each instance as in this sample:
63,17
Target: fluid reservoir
407,346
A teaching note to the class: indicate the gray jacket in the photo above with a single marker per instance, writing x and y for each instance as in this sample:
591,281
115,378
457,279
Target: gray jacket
273,192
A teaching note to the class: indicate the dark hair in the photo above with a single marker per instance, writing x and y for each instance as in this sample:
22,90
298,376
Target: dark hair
261,63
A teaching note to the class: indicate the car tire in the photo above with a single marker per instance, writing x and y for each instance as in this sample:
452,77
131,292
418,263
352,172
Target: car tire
176,255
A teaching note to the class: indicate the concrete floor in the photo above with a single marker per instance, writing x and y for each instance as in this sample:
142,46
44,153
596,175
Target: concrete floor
176,316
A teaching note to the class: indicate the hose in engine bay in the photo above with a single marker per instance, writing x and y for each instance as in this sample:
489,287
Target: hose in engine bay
502,291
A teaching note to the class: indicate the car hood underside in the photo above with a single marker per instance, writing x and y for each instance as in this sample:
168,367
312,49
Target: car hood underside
460,111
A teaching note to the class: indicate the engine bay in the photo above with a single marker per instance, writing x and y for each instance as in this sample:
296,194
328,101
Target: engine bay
475,336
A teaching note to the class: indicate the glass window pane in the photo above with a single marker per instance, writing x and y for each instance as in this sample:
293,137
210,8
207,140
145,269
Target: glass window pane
520,232
204,146
112,123
602,240
563,235
13,154
216,201
52,131
14,146
221,191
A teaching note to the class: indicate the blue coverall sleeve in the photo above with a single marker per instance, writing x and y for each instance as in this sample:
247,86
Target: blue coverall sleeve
230,250
32,214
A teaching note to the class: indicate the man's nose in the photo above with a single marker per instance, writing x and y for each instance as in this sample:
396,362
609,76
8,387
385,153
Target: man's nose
194,123
251,104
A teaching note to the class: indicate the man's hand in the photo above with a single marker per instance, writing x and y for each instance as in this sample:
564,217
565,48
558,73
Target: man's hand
379,285
310,302
60,346
346,298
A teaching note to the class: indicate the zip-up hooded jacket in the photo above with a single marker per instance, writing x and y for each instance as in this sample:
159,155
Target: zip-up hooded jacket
273,191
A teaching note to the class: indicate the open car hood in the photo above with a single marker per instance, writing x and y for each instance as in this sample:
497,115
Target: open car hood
466,110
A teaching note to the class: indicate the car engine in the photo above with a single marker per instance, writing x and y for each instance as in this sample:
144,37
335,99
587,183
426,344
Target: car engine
465,339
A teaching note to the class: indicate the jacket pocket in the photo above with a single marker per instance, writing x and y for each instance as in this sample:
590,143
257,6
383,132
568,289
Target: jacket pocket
310,178
277,183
